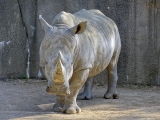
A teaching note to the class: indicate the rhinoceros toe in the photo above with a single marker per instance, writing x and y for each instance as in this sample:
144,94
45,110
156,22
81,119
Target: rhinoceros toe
85,96
72,110
110,96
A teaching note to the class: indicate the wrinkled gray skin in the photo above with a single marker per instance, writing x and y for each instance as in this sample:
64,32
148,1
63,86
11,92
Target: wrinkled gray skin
75,48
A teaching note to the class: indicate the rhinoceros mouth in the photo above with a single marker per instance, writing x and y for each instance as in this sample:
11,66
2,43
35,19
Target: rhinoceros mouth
58,89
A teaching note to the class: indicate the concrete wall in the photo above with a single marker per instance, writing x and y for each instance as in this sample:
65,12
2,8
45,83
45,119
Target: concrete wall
138,22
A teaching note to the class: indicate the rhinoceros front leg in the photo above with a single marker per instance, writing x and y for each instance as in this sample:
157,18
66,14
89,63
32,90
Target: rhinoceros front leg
57,107
112,82
76,83
87,92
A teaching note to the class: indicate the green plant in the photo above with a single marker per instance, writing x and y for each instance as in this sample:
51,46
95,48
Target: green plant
24,77
100,84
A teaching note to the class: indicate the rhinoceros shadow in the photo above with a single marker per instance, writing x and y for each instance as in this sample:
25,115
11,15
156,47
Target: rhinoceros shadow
30,100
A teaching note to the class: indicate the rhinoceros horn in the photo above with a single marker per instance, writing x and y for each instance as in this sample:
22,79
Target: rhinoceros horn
47,28
59,74
60,56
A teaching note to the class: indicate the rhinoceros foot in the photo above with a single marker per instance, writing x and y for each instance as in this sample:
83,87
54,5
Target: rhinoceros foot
71,109
85,96
110,96
57,108
87,92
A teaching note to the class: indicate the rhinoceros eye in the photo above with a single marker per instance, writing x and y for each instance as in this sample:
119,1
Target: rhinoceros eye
46,62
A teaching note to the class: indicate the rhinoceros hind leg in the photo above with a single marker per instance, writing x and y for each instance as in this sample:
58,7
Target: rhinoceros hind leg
112,72
57,107
112,81
87,92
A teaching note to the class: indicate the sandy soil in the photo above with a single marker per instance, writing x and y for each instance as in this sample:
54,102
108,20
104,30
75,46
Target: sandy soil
27,100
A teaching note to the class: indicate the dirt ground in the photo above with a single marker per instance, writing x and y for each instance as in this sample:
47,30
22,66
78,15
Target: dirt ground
27,100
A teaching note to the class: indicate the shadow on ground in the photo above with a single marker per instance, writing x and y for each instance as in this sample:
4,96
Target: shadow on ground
28,100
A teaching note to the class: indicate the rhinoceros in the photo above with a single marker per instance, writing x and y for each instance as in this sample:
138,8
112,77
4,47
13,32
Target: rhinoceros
75,48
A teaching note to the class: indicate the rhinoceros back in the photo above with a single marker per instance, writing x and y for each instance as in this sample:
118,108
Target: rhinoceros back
102,34
99,41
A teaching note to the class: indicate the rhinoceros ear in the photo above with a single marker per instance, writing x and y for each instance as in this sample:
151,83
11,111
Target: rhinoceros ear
59,76
47,28
78,29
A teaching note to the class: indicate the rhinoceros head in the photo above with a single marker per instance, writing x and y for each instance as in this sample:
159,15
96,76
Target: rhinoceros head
57,55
